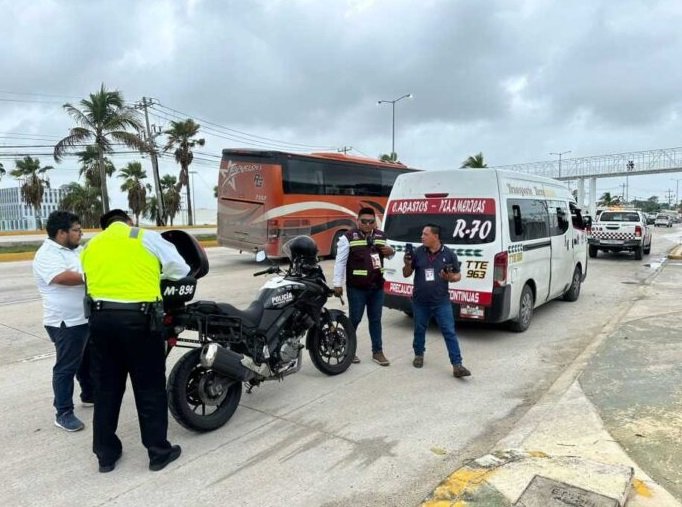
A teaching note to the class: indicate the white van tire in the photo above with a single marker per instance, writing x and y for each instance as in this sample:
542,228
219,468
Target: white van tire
573,291
526,303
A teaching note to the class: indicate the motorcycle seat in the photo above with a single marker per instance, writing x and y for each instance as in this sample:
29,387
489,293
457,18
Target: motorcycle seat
249,317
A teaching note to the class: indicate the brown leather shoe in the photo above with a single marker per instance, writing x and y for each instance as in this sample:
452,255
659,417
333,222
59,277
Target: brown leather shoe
355,360
418,361
380,359
460,371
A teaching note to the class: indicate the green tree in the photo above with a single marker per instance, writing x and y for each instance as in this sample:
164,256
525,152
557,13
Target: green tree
133,185
606,199
181,139
215,191
89,159
104,119
392,158
474,162
171,197
2,170
33,183
83,200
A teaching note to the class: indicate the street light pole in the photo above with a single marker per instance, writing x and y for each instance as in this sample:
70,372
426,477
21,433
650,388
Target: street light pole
392,102
560,153
677,190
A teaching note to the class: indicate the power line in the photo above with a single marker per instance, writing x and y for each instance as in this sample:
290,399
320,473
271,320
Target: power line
272,140
229,137
39,94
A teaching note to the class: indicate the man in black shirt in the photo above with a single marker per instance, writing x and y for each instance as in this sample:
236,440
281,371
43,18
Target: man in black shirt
434,266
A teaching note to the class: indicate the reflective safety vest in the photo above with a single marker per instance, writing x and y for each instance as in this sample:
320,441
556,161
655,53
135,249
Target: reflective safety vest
365,265
118,267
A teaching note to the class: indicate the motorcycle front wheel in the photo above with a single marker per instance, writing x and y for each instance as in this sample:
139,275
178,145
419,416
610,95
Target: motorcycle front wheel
332,346
199,399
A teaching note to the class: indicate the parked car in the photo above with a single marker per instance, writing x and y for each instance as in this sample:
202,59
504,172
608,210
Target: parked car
663,220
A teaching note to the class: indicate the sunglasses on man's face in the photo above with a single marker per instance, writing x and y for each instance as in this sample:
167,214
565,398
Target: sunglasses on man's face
367,221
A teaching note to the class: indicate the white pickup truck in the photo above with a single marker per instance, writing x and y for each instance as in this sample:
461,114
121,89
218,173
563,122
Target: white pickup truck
616,231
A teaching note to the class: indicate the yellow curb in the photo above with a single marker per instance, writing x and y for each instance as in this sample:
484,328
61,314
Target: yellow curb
28,256
675,253
460,485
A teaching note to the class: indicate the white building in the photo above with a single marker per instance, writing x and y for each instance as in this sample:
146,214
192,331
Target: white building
15,215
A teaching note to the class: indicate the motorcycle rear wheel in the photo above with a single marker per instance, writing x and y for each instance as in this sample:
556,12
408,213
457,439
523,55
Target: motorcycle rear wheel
190,399
332,347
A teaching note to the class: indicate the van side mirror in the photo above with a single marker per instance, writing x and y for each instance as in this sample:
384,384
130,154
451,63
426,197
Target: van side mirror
587,222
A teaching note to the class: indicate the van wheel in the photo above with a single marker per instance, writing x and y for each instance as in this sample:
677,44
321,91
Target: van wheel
593,251
638,253
574,290
335,241
522,322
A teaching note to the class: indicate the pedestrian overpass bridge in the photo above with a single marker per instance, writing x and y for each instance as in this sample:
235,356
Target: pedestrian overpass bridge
634,163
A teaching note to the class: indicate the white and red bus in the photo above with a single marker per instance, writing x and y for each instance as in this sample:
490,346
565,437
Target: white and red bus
267,197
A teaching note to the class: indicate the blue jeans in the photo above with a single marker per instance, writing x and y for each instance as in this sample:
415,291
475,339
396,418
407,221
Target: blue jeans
70,344
446,321
373,299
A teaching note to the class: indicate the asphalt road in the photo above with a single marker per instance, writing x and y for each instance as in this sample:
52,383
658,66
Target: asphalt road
372,436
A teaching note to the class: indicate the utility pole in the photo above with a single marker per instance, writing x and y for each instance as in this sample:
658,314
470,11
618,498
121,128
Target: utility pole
345,149
669,194
151,149
623,192
560,154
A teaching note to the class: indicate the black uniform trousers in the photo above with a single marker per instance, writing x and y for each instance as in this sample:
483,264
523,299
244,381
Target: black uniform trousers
121,344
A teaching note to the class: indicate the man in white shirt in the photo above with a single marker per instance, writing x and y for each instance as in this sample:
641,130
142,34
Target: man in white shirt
59,276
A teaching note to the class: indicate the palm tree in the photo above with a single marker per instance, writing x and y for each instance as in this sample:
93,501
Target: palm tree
171,197
102,118
181,137
33,183
606,199
83,200
393,157
475,161
89,159
137,193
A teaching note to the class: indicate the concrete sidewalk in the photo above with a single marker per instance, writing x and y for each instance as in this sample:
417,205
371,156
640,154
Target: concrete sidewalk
609,430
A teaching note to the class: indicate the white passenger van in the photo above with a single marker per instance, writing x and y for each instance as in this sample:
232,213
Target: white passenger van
520,239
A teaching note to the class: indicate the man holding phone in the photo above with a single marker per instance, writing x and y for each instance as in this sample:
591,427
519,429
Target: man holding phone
435,266
360,257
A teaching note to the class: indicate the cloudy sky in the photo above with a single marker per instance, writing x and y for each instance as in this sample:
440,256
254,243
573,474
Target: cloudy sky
515,80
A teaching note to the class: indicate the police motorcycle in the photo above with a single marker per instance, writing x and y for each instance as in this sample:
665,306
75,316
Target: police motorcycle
237,348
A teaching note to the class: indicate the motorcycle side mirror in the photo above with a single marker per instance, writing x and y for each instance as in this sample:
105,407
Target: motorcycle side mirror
261,256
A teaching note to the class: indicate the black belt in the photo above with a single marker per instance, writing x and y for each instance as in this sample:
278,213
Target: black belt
112,305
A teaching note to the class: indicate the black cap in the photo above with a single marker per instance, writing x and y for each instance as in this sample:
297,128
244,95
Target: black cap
115,215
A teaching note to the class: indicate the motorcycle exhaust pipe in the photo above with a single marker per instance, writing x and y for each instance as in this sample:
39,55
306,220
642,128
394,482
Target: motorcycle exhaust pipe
225,362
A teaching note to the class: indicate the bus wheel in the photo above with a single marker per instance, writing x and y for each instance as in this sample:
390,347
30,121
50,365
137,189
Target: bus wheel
335,241
522,322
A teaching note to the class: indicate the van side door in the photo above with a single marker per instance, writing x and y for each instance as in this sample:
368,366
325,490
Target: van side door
562,247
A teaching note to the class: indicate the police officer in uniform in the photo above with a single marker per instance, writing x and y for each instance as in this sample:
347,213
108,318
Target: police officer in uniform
123,266
360,261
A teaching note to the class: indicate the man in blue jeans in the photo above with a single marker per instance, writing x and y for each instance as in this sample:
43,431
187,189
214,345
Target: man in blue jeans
360,261
435,266
58,274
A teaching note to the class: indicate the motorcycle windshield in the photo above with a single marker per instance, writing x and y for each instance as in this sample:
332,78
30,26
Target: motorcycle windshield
189,249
